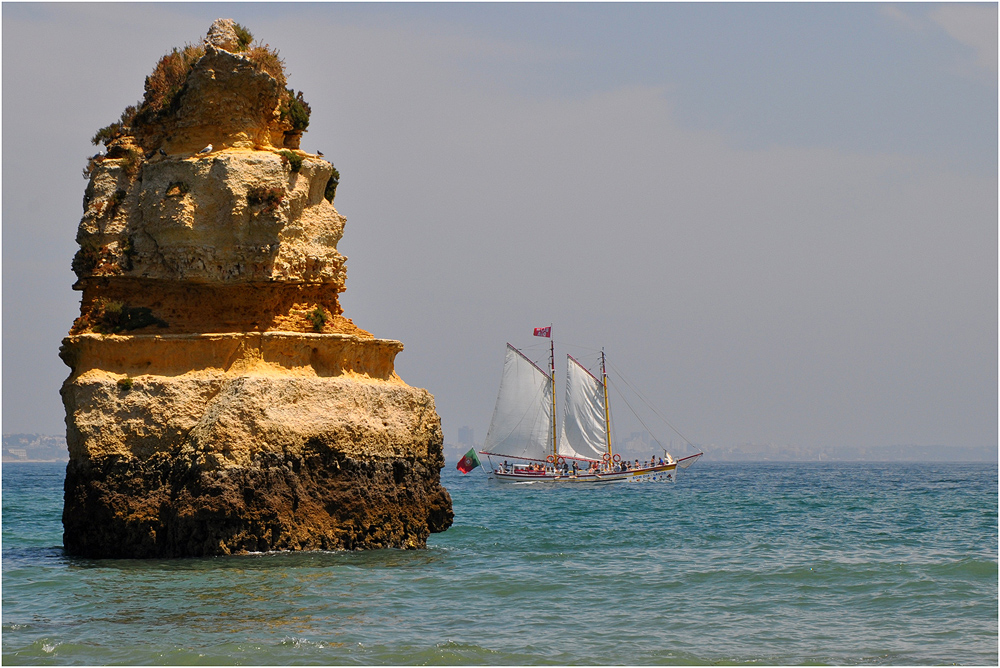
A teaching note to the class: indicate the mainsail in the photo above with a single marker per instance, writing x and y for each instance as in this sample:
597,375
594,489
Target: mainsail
584,434
522,420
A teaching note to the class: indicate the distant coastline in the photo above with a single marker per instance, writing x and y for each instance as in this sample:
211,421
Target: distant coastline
11,460
34,449
39,448
770,452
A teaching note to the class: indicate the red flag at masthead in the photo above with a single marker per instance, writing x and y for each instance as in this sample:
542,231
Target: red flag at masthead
544,331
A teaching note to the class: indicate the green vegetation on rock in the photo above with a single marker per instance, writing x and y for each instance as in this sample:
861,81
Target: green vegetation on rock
318,318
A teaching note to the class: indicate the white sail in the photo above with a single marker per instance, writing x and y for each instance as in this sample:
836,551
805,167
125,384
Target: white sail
584,432
522,420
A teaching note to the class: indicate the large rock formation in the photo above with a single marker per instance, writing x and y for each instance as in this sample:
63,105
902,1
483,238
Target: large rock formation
219,401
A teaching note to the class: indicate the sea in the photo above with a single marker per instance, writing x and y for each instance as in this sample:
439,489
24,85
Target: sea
750,563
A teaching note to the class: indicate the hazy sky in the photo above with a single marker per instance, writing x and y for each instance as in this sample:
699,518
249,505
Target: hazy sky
780,220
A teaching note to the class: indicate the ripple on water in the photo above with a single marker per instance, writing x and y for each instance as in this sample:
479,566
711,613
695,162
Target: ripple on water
818,564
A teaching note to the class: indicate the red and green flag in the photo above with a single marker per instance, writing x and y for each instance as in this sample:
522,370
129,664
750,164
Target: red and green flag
469,461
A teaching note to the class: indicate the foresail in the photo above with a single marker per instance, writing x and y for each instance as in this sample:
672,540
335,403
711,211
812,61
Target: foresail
522,419
584,432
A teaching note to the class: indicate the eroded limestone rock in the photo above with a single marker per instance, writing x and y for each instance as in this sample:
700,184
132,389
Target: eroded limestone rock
219,401
228,216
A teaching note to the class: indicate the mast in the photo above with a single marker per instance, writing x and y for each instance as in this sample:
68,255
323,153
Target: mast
607,416
552,368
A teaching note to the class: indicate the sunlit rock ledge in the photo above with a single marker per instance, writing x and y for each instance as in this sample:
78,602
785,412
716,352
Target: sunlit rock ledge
271,353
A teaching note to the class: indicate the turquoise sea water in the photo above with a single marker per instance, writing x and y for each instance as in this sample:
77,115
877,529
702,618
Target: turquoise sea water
764,563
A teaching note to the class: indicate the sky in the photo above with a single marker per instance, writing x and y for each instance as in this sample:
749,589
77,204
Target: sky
779,220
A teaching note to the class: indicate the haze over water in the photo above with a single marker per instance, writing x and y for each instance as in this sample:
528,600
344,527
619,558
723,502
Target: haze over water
735,563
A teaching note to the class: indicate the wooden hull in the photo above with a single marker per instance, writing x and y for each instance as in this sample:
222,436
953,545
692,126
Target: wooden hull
664,473
660,473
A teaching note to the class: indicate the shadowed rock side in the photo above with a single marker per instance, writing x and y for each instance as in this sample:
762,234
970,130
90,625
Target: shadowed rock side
219,401
170,506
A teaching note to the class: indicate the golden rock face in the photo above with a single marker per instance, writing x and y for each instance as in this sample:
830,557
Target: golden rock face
219,400
227,217
228,104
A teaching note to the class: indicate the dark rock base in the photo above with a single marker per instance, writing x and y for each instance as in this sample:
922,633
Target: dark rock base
166,506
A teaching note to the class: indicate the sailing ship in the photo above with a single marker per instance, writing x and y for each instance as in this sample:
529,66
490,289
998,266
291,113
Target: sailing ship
524,429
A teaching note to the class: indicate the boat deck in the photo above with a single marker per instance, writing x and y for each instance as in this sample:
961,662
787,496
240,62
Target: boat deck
659,473
521,473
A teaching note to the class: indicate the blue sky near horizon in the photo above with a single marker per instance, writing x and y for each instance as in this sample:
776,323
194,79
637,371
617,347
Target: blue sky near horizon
782,216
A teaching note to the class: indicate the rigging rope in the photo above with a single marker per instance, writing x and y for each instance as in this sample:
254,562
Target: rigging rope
641,398
648,430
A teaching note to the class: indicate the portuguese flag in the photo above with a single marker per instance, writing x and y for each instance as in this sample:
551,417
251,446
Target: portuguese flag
469,461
